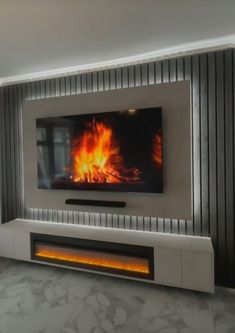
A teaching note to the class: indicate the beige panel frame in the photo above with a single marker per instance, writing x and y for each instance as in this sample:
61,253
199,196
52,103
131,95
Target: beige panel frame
174,98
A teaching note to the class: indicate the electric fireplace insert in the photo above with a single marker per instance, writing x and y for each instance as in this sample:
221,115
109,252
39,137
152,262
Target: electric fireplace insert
115,258
110,151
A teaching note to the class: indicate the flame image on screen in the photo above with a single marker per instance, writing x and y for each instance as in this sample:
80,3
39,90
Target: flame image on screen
93,258
157,149
97,159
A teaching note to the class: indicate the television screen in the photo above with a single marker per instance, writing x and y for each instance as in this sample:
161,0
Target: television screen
110,151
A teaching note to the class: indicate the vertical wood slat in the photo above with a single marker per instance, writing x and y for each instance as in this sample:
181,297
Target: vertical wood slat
118,78
196,145
106,78
51,87
73,85
151,73
17,152
89,82
125,79
95,82
138,75
79,84
158,72
131,76
1,150
212,186
204,144
21,95
14,148
62,86
229,163
5,181
43,89
83,83
233,91
144,75
2,157
212,76
166,71
184,71
220,161
180,69
175,226
113,83
173,70
8,156
100,81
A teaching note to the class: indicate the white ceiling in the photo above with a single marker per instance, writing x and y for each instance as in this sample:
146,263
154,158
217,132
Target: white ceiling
47,35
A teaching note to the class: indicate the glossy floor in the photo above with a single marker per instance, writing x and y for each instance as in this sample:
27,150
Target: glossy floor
43,299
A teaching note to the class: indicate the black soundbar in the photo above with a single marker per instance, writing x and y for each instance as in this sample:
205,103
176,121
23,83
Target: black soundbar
99,203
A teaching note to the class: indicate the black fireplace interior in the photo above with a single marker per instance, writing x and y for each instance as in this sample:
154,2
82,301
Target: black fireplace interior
110,151
114,258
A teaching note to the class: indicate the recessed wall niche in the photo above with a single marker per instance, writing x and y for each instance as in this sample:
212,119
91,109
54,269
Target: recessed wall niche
174,101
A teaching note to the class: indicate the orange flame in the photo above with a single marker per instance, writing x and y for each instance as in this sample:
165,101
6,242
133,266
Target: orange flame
96,159
157,149
87,257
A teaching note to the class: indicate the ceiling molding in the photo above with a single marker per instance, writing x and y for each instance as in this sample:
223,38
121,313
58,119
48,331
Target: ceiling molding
197,47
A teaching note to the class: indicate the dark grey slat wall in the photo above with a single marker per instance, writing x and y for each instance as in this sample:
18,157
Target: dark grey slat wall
213,146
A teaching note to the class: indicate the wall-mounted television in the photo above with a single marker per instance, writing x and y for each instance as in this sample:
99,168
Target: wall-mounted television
109,151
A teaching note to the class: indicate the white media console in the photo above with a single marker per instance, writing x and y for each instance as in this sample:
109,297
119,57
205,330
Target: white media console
178,260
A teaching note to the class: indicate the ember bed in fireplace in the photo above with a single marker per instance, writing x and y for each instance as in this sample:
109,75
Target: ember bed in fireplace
109,257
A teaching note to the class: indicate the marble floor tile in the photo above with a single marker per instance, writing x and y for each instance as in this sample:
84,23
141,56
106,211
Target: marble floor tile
42,299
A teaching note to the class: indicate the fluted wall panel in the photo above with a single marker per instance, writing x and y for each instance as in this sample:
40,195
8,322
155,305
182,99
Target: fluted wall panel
213,148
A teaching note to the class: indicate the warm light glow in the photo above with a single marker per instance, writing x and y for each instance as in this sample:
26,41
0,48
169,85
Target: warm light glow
131,110
94,258
157,149
97,159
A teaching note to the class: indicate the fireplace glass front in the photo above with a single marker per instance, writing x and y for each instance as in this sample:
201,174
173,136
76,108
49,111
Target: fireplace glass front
113,258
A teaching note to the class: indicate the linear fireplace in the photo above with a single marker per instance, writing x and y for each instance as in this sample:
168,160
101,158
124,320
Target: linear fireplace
114,258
